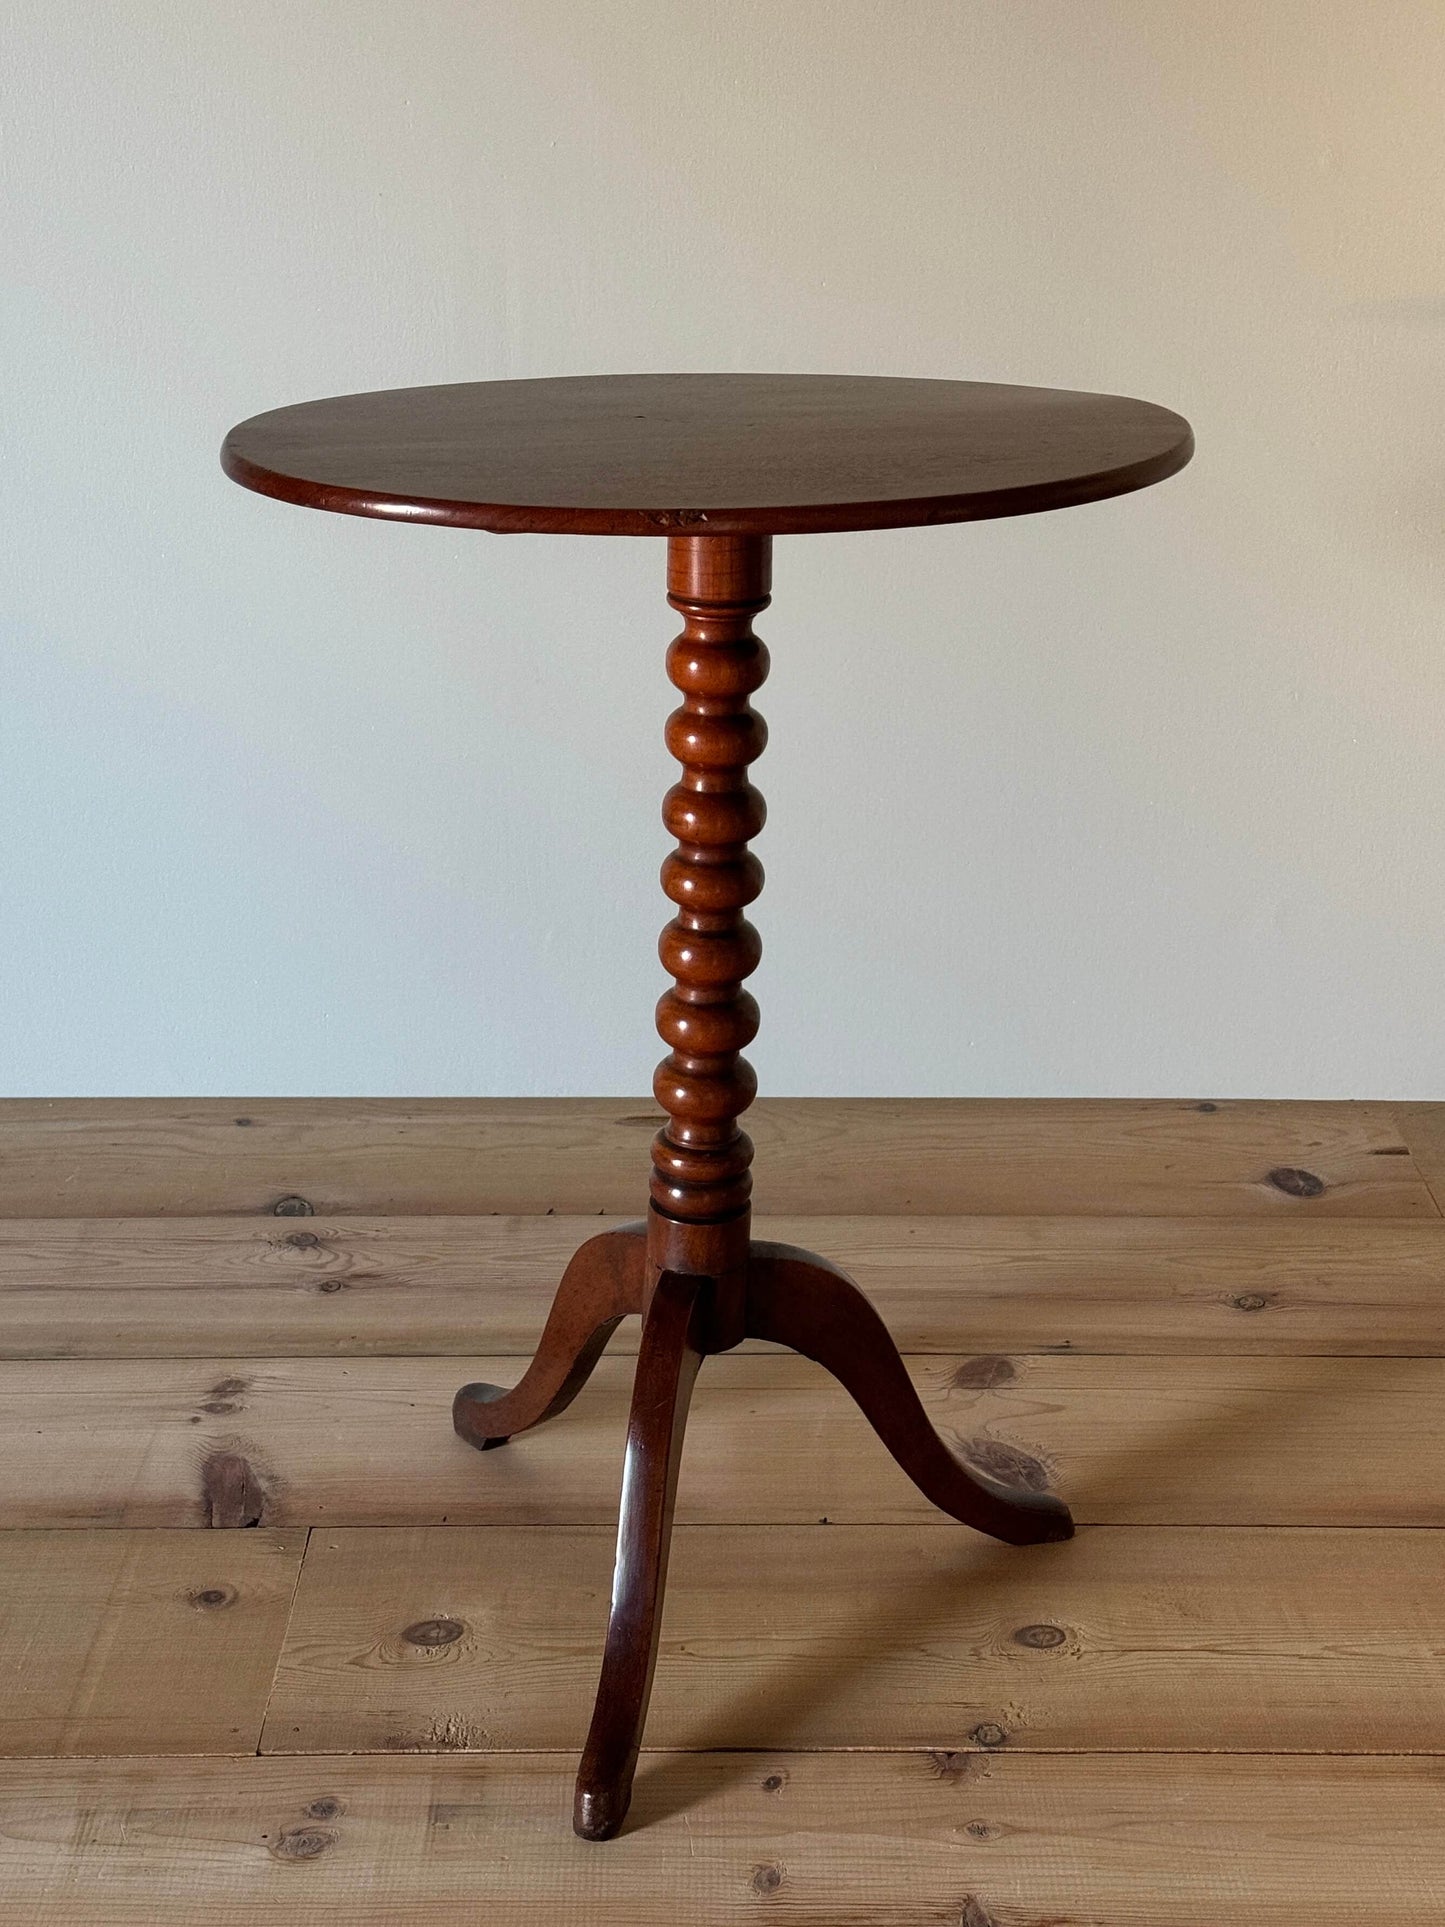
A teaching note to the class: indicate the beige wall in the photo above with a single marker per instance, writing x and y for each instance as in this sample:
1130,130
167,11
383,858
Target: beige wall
1141,798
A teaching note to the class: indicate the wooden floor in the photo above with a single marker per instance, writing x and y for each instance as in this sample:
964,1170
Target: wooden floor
275,1647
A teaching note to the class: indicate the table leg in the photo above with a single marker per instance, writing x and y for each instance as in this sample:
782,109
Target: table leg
803,1302
673,1338
603,1282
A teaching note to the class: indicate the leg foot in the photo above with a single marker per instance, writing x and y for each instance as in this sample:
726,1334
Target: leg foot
805,1303
601,1285
667,1367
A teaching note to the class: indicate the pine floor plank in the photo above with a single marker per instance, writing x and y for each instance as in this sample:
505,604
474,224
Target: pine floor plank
140,1642
189,1287
875,1636
919,1156
772,1438
717,1840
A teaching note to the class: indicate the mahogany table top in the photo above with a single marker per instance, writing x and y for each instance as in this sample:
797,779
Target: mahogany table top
725,454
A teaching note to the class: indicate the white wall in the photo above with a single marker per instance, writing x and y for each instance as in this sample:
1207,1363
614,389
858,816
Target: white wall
1141,798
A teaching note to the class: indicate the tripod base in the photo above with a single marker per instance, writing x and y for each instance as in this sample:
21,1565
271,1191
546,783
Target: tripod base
788,1296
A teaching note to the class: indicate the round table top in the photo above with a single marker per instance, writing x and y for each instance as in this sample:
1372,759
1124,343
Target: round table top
706,454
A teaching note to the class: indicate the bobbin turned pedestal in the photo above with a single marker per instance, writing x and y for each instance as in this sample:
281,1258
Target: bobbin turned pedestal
692,1271
717,464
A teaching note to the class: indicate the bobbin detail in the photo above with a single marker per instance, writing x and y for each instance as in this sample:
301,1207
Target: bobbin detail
701,1158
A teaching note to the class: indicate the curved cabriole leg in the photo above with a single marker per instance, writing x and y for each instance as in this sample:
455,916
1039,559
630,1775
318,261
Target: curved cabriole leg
604,1282
805,1303
667,1366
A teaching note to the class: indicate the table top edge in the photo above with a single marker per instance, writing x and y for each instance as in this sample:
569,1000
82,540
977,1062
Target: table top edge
505,518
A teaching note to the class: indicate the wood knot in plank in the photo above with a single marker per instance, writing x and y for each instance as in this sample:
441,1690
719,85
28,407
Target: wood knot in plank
983,1374
210,1599
1041,1638
433,1632
304,1843
233,1494
1296,1183
1005,1464
225,1397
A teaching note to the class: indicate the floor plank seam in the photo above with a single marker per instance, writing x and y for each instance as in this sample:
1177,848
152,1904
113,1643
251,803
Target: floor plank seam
781,1751
1434,1188
903,1524
1049,1354
281,1643
787,1750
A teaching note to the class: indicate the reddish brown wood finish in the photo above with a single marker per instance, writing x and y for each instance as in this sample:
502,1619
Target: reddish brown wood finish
786,1295
700,1158
706,454
803,1302
603,1282
673,1341
700,1281
718,463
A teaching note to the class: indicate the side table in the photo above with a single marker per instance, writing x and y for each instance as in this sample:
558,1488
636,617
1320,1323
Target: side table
717,465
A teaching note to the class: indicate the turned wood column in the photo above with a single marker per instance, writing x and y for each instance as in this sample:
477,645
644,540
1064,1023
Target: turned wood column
701,1181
